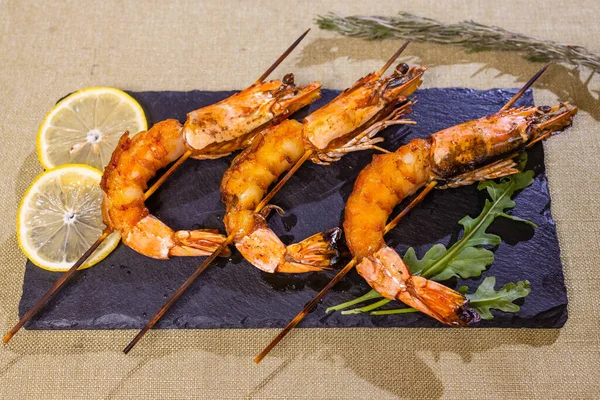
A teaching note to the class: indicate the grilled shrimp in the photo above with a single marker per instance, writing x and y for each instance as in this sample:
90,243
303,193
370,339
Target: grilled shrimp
244,186
460,155
210,132
133,163
347,123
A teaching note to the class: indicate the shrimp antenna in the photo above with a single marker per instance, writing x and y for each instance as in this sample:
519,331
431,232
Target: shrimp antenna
311,305
392,59
281,58
524,88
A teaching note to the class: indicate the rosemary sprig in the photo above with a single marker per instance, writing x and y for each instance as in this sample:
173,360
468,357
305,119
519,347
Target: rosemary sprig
470,34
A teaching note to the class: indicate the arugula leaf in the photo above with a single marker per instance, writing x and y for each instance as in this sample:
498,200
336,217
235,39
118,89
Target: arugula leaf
417,266
464,259
483,300
486,298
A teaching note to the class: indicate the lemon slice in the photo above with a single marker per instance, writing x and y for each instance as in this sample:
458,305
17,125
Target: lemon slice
85,127
60,218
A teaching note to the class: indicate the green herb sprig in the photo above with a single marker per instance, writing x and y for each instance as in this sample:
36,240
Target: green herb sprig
467,258
469,34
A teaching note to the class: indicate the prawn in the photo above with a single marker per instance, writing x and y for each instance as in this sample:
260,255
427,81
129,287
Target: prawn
133,163
244,186
460,155
348,123
210,132
230,125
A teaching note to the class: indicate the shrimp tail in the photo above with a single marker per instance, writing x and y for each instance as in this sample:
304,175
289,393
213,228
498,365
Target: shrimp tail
387,273
439,301
199,242
263,249
319,250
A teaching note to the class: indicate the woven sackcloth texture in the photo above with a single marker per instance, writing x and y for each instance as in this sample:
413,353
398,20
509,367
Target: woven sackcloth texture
49,49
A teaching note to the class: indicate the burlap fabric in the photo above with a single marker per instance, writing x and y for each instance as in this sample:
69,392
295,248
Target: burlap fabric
50,49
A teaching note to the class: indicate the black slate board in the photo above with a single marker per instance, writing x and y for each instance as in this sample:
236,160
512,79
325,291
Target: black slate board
126,289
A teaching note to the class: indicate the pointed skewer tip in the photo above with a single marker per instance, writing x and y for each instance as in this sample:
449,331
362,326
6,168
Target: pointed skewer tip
281,58
393,58
7,338
41,303
521,91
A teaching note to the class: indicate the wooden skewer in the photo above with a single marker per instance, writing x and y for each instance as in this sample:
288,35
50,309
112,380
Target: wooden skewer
229,239
178,294
281,58
175,296
283,180
167,174
210,259
315,301
40,304
392,224
311,305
